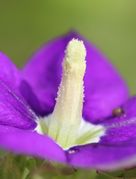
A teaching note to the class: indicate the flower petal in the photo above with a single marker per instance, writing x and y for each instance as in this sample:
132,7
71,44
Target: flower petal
116,149
121,128
8,71
104,157
104,88
30,143
14,111
43,73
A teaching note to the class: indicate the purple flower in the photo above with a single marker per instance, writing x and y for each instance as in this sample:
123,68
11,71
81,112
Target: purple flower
32,122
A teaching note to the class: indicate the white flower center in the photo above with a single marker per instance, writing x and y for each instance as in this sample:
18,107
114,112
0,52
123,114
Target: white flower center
66,125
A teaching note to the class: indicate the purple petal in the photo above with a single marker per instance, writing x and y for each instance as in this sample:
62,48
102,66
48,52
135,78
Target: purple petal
117,149
8,71
121,128
30,143
14,111
104,88
104,157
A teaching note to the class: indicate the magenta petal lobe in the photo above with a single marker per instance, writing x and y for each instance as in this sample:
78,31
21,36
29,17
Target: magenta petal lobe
14,111
30,143
104,157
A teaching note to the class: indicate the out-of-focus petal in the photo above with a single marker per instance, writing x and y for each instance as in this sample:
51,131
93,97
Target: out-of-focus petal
104,157
14,111
104,88
30,143
8,71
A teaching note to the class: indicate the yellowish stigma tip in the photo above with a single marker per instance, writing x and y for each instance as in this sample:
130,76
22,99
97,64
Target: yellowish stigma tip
75,53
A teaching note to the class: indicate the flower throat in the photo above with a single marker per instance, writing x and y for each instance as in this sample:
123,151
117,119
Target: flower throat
66,125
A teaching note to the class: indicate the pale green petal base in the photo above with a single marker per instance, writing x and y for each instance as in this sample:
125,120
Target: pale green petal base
68,136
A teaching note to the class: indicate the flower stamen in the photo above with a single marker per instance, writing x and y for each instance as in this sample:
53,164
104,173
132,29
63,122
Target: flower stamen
69,103
66,125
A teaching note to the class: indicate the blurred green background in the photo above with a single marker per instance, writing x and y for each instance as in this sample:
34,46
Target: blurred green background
109,24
